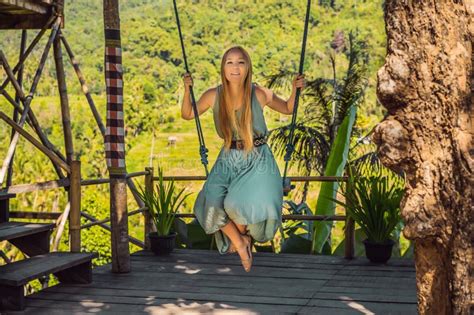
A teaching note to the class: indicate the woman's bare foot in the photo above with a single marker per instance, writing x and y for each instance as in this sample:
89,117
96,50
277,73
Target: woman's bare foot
245,252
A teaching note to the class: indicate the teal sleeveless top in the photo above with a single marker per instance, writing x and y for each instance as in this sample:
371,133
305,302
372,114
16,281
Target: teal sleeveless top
258,120
243,188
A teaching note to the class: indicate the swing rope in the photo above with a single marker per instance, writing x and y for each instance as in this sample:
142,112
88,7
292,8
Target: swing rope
202,146
290,146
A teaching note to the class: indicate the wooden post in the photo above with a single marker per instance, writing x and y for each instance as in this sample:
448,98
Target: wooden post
349,234
75,211
115,138
149,227
119,225
62,87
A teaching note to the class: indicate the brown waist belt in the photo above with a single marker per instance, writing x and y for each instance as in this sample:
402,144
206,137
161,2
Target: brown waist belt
239,144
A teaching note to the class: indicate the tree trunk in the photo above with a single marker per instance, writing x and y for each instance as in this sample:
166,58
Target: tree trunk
426,85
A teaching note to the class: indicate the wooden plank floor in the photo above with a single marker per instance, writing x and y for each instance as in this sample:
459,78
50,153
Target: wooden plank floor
205,282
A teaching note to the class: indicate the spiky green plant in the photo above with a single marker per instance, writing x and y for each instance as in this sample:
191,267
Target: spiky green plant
373,202
162,203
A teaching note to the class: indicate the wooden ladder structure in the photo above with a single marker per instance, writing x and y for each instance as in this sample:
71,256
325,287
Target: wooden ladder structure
33,239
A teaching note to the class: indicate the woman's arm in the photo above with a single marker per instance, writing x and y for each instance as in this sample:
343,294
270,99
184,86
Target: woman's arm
203,104
277,103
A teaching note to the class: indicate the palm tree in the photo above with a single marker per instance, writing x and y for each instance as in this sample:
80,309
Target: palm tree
325,102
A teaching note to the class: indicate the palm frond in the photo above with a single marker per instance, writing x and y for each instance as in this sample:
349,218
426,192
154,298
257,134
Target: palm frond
351,91
311,147
282,80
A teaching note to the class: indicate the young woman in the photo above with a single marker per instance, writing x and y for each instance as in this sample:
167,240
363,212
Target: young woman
242,196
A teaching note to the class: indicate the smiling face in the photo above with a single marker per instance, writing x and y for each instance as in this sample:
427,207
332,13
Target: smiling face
235,67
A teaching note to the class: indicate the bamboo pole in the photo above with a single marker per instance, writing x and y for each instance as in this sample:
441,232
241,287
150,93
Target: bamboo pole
95,181
19,130
136,174
75,212
5,257
133,189
82,81
28,99
106,220
146,214
60,229
11,76
15,110
24,188
33,122
107,227
62,87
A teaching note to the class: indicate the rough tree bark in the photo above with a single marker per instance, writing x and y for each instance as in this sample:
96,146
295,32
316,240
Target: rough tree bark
426,85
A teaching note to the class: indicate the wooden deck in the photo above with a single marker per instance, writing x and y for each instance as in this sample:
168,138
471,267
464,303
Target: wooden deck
196,282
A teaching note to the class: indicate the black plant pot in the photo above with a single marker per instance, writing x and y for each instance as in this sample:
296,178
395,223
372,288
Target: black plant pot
378,253
162,245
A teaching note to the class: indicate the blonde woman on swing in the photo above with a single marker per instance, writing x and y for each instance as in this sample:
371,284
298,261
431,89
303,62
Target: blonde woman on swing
242,196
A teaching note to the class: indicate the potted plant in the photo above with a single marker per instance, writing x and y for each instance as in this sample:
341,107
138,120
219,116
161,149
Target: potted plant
162,204
373,202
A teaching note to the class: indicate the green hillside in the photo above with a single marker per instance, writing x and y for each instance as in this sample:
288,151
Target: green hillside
270,30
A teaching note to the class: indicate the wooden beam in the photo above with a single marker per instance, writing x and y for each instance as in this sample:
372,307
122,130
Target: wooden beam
25,188
37,215
24,21
24,7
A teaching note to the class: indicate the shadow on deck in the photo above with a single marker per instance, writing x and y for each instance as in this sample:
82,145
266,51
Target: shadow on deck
197,281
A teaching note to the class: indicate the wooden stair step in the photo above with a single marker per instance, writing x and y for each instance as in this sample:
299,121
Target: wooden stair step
67,267
13,230
23,271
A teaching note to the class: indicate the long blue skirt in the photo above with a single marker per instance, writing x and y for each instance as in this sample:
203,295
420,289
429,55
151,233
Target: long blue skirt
246,189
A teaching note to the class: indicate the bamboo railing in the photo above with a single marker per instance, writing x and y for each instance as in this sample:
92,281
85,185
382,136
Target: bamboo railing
75,212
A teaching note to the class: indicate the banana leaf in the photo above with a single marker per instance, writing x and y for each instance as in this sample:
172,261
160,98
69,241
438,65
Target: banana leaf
191,235
296,244
334,167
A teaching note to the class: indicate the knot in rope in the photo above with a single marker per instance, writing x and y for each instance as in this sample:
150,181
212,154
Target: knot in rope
203,151
289,151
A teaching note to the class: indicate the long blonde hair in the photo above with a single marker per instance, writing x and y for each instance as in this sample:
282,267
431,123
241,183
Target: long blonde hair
227,116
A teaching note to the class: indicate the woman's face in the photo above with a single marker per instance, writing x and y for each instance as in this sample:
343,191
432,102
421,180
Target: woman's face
235,67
